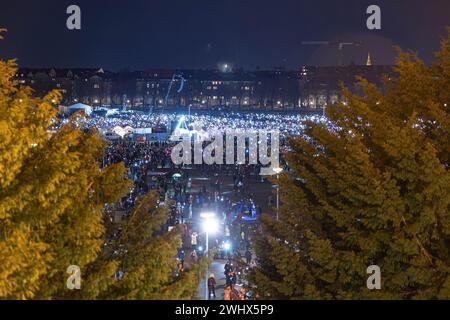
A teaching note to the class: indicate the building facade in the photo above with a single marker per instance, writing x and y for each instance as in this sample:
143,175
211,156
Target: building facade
308,88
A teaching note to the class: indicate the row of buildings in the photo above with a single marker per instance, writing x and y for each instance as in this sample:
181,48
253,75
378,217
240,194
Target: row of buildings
310,87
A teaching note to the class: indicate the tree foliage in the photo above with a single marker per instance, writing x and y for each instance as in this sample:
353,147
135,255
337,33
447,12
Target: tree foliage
146,255
372,189
53,194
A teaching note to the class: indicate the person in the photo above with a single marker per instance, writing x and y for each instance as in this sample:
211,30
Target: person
248,256
211,286
235,294
180,267
233,279
194,237
186,230
181,257
194,255
227,267
238,274
227,293
227,279
242,294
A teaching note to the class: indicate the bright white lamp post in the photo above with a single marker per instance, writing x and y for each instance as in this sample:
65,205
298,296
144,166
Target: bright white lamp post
210,225
278,171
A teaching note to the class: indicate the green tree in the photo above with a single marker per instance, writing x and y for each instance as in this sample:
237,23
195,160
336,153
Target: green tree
372,189
52,192
146,256
52,211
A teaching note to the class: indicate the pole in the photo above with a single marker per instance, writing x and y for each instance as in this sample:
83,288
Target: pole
206,277
278,196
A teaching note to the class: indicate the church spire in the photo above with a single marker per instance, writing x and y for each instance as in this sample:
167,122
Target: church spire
369,60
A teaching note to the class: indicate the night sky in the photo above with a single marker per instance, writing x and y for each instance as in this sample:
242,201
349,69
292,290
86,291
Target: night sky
140,34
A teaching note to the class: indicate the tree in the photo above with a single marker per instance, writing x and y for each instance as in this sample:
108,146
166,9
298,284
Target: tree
52,192
52,211
372,188
145,256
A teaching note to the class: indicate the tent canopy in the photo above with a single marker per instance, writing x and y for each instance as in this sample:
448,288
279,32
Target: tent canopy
80,106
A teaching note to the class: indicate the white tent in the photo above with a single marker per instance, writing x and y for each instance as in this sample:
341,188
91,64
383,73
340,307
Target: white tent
80,106
128,129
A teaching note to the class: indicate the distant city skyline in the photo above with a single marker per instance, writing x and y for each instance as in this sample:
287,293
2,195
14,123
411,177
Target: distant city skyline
201,34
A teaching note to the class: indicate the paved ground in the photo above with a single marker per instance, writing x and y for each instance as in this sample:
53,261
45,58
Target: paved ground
217,267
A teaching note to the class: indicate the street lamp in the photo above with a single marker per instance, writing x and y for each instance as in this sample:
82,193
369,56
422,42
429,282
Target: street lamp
278,171
227,246
210,225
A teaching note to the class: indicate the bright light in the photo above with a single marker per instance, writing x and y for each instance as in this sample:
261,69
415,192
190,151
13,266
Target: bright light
225,67
207,215
277,170
210,224
227,246
182,119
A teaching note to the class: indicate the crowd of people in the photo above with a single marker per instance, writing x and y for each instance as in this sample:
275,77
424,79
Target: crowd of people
149,166
287,124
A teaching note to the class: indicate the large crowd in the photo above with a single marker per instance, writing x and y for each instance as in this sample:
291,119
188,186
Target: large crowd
149,166
287,124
